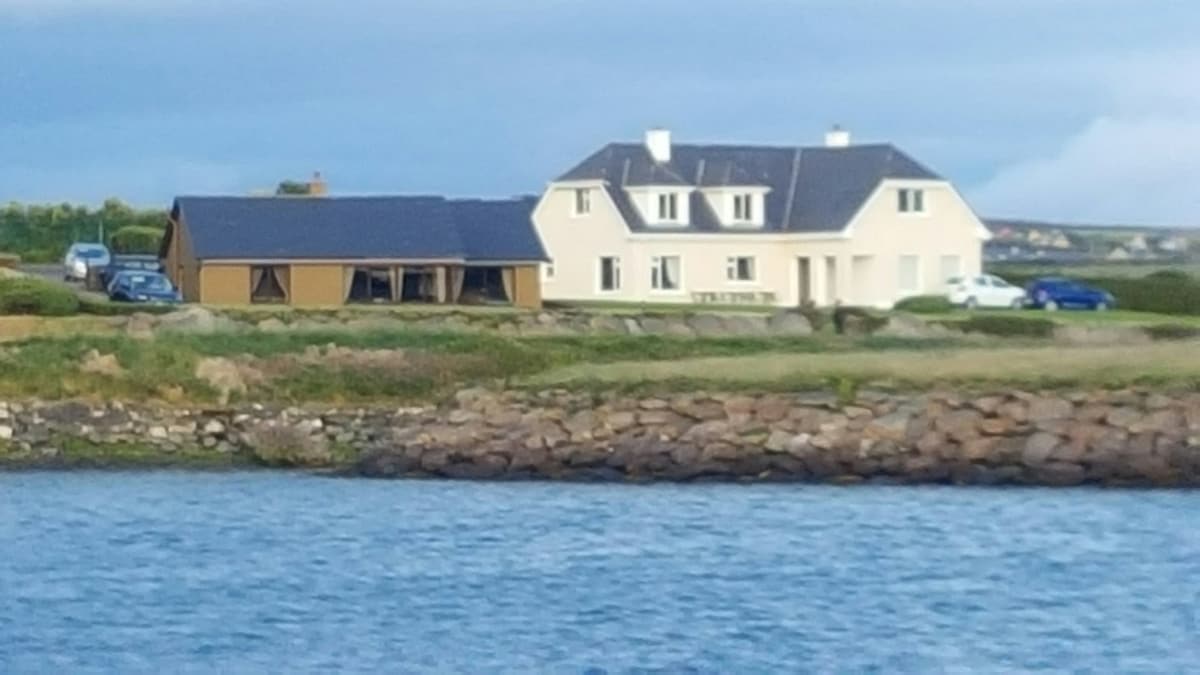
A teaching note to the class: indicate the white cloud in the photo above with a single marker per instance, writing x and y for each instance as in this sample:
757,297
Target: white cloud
1137,164
1136,171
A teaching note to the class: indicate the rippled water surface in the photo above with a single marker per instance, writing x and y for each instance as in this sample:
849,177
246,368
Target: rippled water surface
287,573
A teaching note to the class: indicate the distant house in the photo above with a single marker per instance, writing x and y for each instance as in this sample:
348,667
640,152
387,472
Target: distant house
324,251
660,221
1137,243
1119,254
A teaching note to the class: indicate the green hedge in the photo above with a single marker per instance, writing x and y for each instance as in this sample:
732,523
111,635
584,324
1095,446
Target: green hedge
30,296
136,239
1162,292
1004,326
926,304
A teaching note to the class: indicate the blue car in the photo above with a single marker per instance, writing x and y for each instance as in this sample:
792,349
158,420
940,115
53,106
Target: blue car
1053,293
139,286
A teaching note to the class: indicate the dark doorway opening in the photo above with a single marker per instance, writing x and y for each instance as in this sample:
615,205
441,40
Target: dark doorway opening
371,285
420,285
484,286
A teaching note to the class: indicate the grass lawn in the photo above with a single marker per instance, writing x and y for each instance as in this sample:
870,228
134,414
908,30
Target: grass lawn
1120,317
1162,363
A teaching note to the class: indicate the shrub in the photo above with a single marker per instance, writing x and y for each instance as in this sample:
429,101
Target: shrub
817,317
926,304
857,321
1005,326
1172,331
136,239
27,295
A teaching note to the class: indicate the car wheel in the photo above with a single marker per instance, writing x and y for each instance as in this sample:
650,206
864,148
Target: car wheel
1050,306
1101,306
971,303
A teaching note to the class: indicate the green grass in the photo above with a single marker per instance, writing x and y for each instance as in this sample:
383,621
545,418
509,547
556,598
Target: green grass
433,363
1172,364
1111,317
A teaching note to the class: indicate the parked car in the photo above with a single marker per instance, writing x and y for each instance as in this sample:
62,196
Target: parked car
139,286
82,257
1053,293
984,290
120,262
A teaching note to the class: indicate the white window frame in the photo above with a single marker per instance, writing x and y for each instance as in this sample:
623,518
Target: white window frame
656,268
616,274
910,201
743,207
731,269
581,197
916,287
668,207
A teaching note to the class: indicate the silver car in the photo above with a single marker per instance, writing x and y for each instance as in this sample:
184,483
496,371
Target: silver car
81,257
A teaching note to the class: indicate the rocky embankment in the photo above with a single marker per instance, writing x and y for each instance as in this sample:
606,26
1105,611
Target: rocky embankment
1111,438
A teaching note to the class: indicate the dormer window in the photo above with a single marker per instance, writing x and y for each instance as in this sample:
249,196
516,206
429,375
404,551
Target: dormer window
911,200
743,208
668,207
583,202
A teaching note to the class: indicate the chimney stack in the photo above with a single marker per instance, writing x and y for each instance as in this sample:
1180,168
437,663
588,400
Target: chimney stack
317,187
837,137
658,143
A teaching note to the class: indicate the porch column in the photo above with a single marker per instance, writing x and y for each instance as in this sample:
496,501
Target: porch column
816,280
440,283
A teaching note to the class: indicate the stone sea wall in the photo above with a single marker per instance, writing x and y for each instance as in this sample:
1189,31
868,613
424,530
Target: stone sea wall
1111,438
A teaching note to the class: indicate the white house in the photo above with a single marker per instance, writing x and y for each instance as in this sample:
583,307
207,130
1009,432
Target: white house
661,222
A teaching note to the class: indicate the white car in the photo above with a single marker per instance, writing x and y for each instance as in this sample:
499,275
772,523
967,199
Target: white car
984,290
81,257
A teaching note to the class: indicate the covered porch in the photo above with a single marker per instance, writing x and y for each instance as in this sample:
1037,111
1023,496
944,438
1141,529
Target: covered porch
441,284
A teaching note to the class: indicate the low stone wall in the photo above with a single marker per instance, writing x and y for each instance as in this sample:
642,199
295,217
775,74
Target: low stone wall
1112,438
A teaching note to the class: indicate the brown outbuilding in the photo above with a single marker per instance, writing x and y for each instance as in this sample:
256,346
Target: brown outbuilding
326,251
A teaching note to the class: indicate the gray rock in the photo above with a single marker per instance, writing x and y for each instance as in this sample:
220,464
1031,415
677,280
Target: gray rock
1038,448
745,324
195,320
707,325
789,324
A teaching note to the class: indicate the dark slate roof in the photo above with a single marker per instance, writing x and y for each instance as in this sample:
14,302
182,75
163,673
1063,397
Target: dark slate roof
813,189
421,228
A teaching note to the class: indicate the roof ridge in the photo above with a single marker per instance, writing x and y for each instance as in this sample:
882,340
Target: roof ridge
785,222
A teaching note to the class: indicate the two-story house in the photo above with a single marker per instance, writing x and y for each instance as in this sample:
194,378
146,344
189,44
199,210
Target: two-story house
661,222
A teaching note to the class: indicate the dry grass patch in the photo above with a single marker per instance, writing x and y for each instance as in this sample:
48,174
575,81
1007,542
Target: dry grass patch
1166,362
14,328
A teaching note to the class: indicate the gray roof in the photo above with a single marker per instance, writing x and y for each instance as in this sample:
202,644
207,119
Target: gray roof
813,189
406,228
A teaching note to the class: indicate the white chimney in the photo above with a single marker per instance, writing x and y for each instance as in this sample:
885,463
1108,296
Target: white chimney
658,142
837,137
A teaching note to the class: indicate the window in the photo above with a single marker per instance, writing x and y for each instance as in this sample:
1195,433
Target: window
548,270
740,268
668,206
610,274
269,284
909,274
665,273
743,207
951,266
583,202
911,201
369,284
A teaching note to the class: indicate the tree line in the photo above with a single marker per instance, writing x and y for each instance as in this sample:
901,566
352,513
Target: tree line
42,233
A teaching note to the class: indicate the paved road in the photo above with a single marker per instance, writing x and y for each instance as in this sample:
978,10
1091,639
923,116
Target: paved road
51,272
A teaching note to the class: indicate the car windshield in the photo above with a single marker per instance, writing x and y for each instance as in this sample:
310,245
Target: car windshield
151,283
90,252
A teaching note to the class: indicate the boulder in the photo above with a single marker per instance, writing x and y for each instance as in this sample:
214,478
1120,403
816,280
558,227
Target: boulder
140,326
903,325
789,324
195,320
95,363
1038,448
706,325
223,375
745,324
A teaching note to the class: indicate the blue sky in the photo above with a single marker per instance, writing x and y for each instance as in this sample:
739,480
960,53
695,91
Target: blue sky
1081,110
